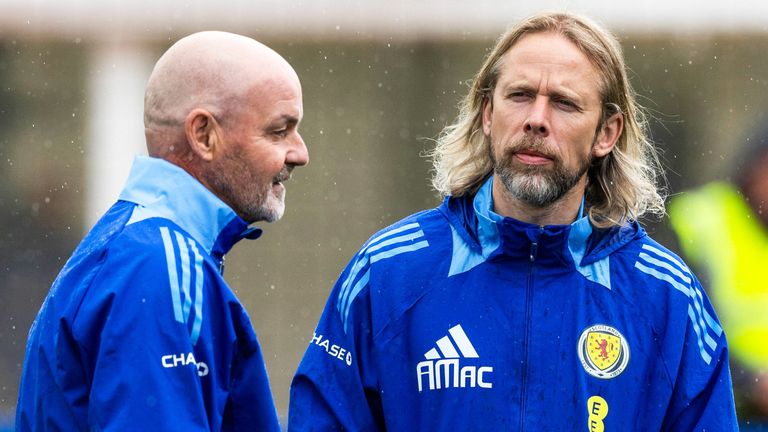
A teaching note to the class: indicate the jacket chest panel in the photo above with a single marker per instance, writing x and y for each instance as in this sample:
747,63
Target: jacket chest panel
477,339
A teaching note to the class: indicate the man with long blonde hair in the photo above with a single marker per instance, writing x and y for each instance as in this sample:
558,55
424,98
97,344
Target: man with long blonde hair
531,299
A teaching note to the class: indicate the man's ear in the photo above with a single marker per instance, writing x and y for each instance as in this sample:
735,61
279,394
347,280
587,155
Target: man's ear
487,111
608,135
203,133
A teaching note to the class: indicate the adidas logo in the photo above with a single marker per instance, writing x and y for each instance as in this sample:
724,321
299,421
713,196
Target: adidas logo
442,369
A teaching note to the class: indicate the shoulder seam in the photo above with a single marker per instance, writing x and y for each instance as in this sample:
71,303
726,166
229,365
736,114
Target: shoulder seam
388,244
663,266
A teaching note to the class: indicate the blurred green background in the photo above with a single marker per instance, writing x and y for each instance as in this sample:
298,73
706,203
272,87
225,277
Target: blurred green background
373,105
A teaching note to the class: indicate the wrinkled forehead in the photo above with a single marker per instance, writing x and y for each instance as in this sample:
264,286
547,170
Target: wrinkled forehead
549,56
275,85
579,50
259,83
273,97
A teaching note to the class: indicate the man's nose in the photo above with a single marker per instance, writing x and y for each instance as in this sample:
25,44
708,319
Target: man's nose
297,155
537,122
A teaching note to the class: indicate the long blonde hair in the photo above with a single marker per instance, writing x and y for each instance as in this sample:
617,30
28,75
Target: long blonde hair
622,186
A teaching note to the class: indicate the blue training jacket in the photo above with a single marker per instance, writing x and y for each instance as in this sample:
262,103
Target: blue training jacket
140,331
456,319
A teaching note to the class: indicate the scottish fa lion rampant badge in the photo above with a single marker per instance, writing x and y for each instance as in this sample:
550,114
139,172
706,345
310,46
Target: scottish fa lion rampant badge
603,351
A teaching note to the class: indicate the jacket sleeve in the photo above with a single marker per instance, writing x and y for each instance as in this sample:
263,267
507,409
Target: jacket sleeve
702,397
335,387
139,359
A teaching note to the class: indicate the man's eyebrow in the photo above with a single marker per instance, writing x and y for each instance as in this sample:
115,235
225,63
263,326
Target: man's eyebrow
566,94
518,84
287,119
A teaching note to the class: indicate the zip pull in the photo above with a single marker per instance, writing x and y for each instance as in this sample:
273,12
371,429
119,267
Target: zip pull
221,265
535,243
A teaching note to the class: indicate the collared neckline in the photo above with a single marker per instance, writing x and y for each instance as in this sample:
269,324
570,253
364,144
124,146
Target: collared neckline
162,189
492,227
481,235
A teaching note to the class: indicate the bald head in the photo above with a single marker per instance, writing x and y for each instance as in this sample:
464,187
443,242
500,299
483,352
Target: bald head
226,109
214,71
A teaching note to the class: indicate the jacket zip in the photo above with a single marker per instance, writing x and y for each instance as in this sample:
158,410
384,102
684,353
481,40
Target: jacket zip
221,265
528,311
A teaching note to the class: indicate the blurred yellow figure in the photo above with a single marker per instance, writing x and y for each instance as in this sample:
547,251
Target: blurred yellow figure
723,229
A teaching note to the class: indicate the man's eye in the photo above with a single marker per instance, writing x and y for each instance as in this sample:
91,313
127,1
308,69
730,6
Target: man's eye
518,96
281,132
567,104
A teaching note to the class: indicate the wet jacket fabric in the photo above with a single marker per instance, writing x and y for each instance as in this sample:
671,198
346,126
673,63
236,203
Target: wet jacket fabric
140,331
459,319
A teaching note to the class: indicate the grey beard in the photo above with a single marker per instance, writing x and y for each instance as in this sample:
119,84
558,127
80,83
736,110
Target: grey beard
535,185
538,187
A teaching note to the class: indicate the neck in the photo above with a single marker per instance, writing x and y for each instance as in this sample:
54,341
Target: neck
564,211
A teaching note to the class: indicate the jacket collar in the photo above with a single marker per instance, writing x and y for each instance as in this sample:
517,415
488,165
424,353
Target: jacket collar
512,237
162,189
482,235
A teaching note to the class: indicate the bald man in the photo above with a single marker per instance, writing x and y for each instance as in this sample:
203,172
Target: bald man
140,331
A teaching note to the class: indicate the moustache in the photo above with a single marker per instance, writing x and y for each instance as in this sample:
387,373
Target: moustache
283,175
537,145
